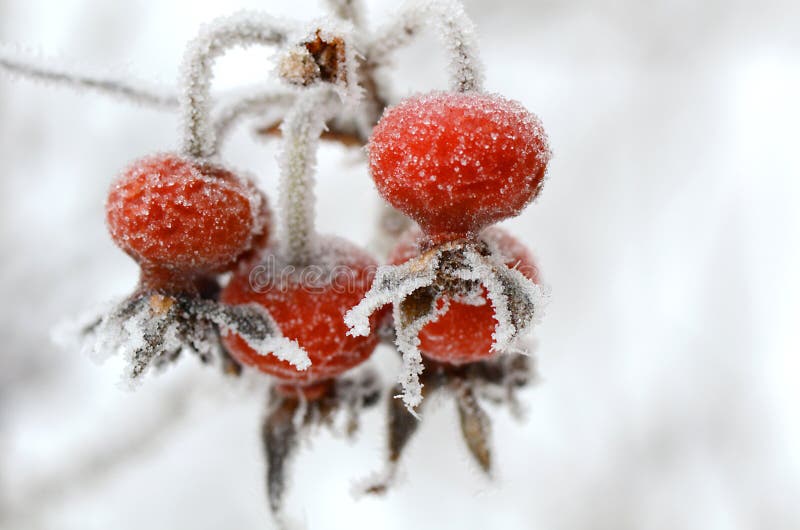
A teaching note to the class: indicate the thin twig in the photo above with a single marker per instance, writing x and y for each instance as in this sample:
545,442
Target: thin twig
40,69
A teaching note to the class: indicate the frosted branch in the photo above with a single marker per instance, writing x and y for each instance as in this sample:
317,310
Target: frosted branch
456,32
350,10
241,29
301,130
255,104
48,71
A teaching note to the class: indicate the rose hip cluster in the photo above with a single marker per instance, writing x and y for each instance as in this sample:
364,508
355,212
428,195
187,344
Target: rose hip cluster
456,294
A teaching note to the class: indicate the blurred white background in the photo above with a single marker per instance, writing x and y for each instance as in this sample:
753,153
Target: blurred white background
668,231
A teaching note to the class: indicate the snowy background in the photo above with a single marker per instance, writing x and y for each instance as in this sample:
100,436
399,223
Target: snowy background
668,231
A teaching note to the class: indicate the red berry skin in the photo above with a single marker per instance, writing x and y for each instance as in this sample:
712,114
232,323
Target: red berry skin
308,306
464,333
456,163
180,217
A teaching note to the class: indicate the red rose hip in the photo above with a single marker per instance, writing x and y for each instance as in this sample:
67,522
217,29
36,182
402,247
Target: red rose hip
464,333
458,162
308,305
180,217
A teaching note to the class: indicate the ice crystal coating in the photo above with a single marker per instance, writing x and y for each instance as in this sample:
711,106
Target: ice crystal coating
464,333
308,304
301,130
456,32
49,70
456,163
421,289
185,216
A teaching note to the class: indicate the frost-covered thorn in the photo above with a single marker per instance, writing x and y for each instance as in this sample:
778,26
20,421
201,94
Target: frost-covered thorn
456,32
29,66
301,129
241,29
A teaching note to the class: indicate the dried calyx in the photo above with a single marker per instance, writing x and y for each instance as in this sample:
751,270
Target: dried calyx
419,291
495,381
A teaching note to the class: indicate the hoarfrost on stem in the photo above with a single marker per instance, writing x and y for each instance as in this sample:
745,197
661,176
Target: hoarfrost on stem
241,29
456,32
252,103
301,130
50,70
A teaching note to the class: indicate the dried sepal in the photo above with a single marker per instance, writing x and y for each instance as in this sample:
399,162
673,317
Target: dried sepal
151,330
291,414
496,380
475,426
317,59
279,439
420,289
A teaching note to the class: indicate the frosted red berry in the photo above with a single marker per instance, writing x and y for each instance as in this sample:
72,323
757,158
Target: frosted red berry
464,333
177,216
458,162
308,305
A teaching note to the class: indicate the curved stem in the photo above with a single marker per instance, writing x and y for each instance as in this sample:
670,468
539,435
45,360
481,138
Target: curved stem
456,32
350,10
242,29
230,113
301,130
39,69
